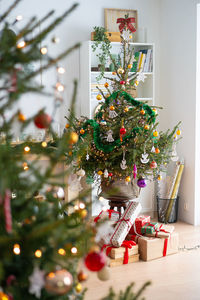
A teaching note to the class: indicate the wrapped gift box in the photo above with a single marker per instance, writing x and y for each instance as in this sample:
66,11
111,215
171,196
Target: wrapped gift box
119,261
152,248
119,252
125,223
109,214
163,231
149,227
139,222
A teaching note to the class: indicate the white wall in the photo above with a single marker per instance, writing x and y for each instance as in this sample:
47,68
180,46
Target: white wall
178,89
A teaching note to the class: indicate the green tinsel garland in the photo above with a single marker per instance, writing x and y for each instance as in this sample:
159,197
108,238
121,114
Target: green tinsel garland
96,127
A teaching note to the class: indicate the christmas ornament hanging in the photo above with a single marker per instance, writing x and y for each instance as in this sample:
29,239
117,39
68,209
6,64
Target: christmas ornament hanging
120,70
153,164
42,120
178,132
134,171
59,282
3,296
106,173
100,172
104,274
144,158
73,138
155,133
37,282
146,127
123,163
99,97
106,84
122,82
21,117
78,287
82,131
82,276
157,150
110,137
95,261
141,182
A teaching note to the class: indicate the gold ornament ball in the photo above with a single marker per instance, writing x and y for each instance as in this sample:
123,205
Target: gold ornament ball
129,66
104,274
67,125
58,282
142,112
128,179
157,150
136,83
99,97
106,84
146,127
21,117
83,213
178,132
100,173
73,138
82,276
112,107
120,71
126,109
78,287
3,296
154,110
155,133
82,131
130,36
159,177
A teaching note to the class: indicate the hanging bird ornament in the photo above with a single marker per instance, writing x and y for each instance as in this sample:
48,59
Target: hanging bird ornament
123,163
109,136
144,158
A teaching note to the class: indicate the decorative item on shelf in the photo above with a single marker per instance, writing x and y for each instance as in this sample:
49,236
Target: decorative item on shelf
112,36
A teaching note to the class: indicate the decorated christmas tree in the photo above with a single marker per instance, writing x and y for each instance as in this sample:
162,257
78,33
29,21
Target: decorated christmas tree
42,237
124,147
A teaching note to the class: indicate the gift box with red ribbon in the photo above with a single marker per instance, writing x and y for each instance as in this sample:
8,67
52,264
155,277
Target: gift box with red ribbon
110,214
163,231
124,225
151,248
139,222
149,227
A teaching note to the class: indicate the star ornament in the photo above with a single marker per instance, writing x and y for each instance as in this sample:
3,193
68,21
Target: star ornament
37,282
141,77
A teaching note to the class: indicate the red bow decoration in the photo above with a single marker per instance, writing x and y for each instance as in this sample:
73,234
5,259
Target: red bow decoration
126,244
128,222
126,23
109,211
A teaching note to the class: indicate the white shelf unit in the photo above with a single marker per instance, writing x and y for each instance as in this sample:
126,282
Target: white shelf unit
87,104
88,59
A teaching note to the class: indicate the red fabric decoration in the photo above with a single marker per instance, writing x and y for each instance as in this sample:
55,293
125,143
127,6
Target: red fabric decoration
165,247
95,261
42,120
126,23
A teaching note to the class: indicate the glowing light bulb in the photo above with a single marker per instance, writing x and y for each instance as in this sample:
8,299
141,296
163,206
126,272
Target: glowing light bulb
27,149
74,250
61,70
82,205
21,44
44,144
19,18
38,253
16,249
25,166
61,251
51,275
43,50
59,87
76,207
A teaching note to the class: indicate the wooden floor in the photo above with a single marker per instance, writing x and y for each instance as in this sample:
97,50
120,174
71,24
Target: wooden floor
173,277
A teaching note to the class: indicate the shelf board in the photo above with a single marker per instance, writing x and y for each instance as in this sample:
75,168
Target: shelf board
143,99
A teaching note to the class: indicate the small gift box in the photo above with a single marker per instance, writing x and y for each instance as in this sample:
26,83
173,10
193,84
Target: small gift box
120,261
149,228
152,248
110,214
139,222
125,223
163,231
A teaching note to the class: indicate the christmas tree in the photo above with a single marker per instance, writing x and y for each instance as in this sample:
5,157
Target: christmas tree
124,146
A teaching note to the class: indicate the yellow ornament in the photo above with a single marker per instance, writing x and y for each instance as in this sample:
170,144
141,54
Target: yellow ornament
112,107
78,287
106,84
73,138
178,132
142,112
21,117
146,127
159,177
130,36
99,97
128,179
154,110
120,70
3,296
129,66
83,213
136,83
155,133
114,73
82,131
100,172
126,109
67,125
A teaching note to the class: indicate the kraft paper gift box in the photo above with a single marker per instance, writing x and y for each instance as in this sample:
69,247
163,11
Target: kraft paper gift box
119,261
163,231
125,223
151,248
139,222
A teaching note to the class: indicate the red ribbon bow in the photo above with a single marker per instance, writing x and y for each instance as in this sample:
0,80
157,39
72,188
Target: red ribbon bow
109,211
127,222
126,23
126,244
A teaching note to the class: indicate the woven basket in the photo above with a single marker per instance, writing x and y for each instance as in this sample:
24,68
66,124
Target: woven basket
118,190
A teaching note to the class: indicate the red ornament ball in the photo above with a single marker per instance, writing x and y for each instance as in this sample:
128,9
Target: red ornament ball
110,174
153,164
122,82
42,120
95,261
122,131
